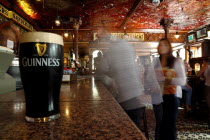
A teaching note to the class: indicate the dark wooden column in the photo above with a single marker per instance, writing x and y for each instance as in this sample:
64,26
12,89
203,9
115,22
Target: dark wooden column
75,41
166,31
166,23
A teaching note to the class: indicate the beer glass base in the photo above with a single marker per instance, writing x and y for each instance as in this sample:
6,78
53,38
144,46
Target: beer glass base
43,119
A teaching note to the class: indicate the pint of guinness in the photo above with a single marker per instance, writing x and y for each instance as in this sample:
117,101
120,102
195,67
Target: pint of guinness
41,69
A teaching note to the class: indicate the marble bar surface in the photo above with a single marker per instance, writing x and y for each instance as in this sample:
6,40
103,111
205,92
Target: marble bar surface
88,111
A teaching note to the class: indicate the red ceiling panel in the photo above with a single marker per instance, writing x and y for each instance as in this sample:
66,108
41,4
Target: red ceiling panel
189,14
110,14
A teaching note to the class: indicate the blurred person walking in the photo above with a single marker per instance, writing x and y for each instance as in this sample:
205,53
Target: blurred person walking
151,79
205,73
174,76
119,64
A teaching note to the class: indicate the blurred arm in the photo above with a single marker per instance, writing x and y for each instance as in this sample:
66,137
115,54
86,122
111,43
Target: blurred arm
158,70
180,73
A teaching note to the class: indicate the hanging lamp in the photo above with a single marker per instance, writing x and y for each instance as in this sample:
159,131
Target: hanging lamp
57,21
66,34
177,35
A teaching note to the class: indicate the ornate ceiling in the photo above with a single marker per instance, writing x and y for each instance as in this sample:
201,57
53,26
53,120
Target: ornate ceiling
188,14
115,14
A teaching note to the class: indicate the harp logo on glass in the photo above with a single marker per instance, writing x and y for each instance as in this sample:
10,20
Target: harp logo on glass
41,48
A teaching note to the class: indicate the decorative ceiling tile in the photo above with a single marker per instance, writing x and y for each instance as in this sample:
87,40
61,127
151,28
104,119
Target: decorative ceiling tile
187,14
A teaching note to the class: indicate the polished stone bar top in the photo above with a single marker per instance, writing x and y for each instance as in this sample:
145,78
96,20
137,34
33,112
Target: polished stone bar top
88,111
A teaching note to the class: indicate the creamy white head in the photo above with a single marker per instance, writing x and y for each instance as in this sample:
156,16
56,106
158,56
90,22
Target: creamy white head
41,37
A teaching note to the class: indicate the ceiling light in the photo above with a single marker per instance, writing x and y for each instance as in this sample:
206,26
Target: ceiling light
125,36
156,2
57,21
176,35
66,34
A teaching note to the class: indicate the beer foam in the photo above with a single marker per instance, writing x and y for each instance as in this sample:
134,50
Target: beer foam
41,37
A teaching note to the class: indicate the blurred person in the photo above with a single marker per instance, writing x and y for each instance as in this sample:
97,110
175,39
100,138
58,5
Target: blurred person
203,68
188,69
106,78
207,86
77,64
78,67
121,69
174,75
205,71
97,60
149,77
186,88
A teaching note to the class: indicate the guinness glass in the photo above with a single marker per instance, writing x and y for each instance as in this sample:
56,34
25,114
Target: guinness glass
41,69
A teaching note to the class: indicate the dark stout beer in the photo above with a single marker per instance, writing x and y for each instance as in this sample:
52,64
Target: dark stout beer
41,69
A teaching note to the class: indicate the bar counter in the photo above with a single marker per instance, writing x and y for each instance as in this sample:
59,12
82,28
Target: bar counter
88,111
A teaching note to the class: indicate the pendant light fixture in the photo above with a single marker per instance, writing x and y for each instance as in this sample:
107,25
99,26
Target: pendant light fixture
177,35
57,21
156,2
125,36
66,33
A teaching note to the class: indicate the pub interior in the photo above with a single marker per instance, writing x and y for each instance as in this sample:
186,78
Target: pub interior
88,107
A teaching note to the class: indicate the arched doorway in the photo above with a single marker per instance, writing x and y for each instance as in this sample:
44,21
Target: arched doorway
95,55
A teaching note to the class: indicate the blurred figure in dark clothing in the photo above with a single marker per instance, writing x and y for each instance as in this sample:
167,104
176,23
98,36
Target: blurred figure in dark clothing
119,64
